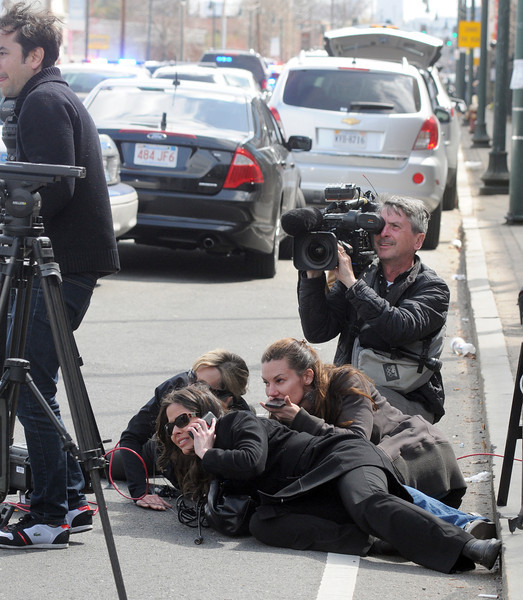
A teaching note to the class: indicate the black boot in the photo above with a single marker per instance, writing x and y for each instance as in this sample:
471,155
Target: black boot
483,552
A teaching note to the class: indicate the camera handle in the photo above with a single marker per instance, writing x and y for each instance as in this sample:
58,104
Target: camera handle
23,256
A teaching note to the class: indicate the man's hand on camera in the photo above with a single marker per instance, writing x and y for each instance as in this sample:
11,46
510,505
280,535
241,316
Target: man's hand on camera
153,501
344,271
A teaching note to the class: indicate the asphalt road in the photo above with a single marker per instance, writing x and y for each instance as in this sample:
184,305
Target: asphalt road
152,320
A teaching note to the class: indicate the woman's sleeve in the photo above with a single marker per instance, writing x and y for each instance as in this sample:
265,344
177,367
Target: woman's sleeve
241,448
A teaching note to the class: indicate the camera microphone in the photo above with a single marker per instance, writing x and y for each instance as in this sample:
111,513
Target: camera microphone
302,220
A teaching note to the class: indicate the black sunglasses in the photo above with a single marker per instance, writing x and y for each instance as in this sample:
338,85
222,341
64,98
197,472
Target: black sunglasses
181,421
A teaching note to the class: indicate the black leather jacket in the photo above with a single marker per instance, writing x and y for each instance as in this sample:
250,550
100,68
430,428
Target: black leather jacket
385,317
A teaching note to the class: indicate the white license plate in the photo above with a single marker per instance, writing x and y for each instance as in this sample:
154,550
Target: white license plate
155,155
349,140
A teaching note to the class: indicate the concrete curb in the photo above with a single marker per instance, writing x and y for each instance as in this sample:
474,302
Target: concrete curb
496,380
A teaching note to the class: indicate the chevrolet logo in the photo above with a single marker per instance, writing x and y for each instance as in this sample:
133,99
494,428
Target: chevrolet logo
350,121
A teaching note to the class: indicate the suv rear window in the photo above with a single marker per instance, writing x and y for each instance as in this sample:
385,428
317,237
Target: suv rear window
352,90
238,61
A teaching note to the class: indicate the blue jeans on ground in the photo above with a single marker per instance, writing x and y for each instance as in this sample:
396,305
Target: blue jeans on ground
57,478
435,507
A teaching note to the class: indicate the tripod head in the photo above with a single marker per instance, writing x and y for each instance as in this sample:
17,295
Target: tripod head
20,201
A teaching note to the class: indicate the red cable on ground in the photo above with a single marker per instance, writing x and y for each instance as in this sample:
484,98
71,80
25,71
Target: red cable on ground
111,452
485,454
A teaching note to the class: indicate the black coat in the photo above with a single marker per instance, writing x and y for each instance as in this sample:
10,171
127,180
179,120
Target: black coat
284,464
54,127
385,317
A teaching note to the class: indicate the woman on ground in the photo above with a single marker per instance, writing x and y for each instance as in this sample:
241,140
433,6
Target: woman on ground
295,472
225,372
319,398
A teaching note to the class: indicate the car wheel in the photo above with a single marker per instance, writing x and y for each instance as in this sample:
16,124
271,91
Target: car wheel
263,266
432,237
450,195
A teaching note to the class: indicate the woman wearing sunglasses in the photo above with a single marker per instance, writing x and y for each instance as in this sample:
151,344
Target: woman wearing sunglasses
337,478
227,375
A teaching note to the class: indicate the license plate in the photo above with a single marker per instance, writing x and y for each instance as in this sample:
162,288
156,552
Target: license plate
350,139
155,155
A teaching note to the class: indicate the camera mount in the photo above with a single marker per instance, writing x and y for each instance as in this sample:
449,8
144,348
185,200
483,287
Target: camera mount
24,253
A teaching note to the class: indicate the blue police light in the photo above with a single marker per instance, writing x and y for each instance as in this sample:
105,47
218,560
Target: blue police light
224,59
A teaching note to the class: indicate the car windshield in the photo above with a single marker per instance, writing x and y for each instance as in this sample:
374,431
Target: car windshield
148,107
352,90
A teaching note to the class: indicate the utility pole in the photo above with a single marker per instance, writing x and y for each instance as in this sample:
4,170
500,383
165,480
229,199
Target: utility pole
515,214
481,137
460,61
496,177
470,78
87,8
122,30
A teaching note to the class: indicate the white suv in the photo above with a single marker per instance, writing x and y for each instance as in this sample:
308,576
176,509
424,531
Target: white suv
371,123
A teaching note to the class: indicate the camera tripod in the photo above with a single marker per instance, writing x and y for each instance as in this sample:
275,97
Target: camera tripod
24,253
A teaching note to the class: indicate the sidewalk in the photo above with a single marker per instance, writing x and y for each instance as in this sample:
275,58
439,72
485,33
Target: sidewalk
494,259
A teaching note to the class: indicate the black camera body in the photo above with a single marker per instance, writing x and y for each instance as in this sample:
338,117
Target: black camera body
350,219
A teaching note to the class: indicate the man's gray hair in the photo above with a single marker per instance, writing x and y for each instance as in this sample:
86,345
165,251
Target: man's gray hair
413,208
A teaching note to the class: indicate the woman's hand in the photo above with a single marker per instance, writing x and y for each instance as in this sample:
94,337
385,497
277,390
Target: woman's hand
153,501
203,436
286,413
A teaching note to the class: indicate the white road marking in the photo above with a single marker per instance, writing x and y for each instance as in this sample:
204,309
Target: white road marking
339,578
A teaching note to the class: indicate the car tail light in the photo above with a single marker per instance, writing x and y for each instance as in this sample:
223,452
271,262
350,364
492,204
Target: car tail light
243,169
428,136
278,120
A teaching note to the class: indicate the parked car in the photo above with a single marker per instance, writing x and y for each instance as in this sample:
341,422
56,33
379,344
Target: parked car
124,199
210,165
209,73
371,123
422,51
82,77
242,59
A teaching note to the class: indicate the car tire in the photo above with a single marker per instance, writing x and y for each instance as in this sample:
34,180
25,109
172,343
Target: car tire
432,236
263,266
450,195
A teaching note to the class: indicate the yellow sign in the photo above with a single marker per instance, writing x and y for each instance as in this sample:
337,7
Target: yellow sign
469,34
98,42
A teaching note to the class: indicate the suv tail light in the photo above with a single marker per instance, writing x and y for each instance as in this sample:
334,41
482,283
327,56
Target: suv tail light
243,169
428,136
278,120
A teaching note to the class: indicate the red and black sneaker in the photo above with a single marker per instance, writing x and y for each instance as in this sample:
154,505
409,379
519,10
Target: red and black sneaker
31,533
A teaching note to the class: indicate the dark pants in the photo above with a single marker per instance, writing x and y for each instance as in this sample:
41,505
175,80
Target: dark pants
372,512
57,477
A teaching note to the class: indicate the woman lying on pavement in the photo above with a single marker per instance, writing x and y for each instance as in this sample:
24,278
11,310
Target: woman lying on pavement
319,398
316,478
225,372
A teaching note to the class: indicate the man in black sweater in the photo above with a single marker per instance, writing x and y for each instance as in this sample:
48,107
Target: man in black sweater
54,127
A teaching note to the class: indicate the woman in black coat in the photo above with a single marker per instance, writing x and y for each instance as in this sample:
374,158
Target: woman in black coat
303,473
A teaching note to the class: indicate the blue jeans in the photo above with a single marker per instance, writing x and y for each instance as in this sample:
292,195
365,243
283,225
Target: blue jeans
435,507
57,478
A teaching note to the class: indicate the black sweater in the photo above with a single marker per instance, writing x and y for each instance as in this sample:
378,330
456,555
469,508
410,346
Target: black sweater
54,127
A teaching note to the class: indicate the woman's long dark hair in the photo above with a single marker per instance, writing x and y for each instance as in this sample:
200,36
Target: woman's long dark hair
330,383
196,398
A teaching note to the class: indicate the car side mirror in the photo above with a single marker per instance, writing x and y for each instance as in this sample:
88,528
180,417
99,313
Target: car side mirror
299,142
459,104
442,114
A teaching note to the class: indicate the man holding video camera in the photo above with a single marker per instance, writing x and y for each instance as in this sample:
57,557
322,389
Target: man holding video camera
54,127
396,304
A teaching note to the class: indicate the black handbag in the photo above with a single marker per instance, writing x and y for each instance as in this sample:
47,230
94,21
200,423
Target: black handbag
229,510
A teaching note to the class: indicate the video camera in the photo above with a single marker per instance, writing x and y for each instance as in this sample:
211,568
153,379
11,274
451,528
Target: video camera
350,219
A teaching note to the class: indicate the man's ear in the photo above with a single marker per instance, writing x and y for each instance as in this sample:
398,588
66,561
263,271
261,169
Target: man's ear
35,58
420,238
